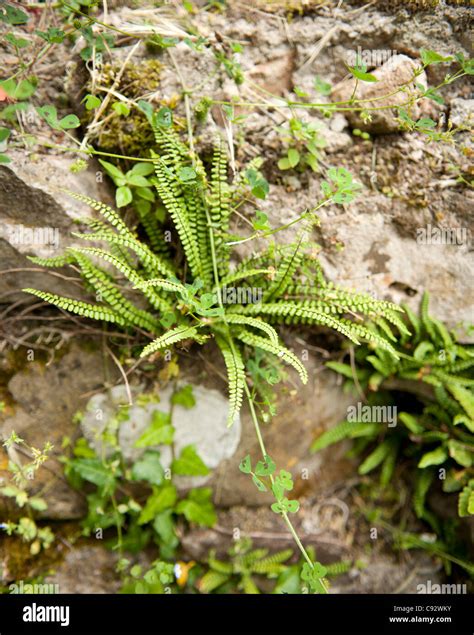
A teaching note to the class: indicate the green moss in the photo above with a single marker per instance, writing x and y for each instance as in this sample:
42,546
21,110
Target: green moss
128,134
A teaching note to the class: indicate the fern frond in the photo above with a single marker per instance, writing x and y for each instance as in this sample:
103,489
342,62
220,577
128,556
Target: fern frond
425,318
234,318
219,203
195,203
423,482
272,563
414,319
375,457
178,334
166,285
447,378
394,318
458,367
344,430
242,275
173,150
93,311
152,263
292,313
211,581
130,274
111,295
370,335
248,586
285,273
236,377
388,465
250,558
338,568
444,333
464,397
55,261
383,326
469,423
344,299
276,349
149,220
107,212
466,500
170,194
219,565
450,405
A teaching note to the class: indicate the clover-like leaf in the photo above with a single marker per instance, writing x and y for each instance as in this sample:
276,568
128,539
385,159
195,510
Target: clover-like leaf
292,506
265,468
184,397
259,484
286,480
245,465
164,117
261,221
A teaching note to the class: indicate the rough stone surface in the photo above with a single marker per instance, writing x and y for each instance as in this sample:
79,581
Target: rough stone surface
204,426
462,112
86,569
45,400
389,265
30,199
394,74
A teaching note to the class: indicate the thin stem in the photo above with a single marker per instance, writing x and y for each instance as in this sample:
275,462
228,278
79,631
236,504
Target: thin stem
255,420
281,227
284,514
91,151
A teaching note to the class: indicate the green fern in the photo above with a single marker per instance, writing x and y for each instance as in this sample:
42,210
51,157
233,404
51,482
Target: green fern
200,204
244,569
93,311
173,336
438,373
235,377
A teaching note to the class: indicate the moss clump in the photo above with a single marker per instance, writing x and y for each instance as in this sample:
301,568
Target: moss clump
127,134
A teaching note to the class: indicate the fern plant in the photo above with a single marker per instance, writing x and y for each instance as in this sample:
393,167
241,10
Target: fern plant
435,375
244,569
200,209
186,283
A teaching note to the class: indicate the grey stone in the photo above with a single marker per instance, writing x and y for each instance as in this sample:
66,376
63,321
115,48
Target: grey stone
462,112
392,76
388,264
86,569
44,402
204,426
37,218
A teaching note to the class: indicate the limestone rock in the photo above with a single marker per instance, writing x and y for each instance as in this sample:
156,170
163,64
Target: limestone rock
37,219
391,76
45,400
204,426
462,112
